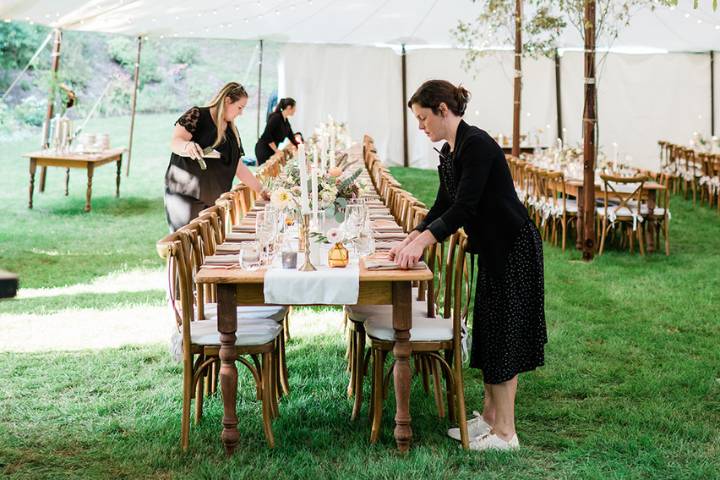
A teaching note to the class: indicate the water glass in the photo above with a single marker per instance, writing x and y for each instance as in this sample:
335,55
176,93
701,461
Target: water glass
250,256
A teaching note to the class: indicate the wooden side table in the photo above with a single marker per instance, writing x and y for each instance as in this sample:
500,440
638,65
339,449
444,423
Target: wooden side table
88,161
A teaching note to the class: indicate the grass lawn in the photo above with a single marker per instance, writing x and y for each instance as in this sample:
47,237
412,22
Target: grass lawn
631,386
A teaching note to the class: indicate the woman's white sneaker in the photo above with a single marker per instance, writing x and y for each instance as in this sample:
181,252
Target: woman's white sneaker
476,427
492,442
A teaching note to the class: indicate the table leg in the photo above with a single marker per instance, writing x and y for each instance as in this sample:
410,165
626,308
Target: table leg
33,167
651,226
88,194
43,172
402,322
67,181
580,218
117,178
227,326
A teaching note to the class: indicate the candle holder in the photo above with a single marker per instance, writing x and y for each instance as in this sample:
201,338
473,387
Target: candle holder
305,239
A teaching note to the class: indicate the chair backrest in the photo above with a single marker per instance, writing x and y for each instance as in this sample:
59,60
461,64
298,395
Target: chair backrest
180,284
626,191
557,191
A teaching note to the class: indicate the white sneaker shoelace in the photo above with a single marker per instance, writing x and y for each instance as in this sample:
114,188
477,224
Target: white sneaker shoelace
477,427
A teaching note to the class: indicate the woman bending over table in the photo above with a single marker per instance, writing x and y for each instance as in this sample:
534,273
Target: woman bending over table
276,130
476,192
193,183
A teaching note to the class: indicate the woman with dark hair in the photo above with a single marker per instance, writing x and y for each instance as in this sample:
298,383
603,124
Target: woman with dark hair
276,130
477,193
192,182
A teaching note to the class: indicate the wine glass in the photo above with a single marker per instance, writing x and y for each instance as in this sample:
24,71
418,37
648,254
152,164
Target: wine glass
250,256
265,230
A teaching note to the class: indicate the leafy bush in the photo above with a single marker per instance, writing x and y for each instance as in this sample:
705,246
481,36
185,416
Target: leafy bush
31,111
183,52
117,100
123,51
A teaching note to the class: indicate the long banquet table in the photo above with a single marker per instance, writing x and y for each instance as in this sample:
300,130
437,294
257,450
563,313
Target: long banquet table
389,287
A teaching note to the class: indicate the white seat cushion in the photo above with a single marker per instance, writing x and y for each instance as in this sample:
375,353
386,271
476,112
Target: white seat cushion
619,212
259,332
571,206
657,211
424,329
249,312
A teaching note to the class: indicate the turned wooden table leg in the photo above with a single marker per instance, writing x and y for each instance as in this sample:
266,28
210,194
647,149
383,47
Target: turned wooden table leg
31,189
651,226
43,173
117,178
227,326
580,220
402,322
88,194
67,182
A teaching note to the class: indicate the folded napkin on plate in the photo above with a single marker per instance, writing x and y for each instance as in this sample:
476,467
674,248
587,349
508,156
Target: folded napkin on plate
381,217
385,245
384,224
243,229
221,260
385,264
239,237
389,236
228,248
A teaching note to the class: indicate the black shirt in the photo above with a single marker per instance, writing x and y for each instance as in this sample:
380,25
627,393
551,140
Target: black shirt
184,175
276,130
477,193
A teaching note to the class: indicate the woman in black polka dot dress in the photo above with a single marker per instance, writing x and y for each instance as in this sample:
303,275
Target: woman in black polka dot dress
477,193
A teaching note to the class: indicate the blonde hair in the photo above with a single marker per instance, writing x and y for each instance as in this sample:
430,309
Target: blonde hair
235,92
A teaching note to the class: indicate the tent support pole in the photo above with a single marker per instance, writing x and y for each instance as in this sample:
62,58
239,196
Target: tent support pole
55,66
259,107
712,92
134,105
558,98
589,125
517,85
403,63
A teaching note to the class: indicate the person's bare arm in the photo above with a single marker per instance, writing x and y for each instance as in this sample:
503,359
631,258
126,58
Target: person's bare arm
244,174
182,144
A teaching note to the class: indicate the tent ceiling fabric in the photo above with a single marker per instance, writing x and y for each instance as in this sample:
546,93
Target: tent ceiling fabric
356,22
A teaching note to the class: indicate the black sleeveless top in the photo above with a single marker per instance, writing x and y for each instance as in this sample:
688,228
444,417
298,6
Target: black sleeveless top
184,175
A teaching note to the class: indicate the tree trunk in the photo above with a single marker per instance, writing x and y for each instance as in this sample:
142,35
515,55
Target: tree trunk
518,79
589,123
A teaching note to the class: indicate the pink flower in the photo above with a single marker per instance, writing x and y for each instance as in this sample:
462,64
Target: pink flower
335,172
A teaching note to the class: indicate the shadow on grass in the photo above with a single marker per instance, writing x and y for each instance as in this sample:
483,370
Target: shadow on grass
109,205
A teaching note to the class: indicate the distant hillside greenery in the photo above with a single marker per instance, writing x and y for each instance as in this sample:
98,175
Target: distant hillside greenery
174,73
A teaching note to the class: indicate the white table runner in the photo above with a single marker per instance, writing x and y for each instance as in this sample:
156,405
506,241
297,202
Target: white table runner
326,286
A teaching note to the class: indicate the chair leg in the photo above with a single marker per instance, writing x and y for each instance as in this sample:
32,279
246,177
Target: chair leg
358,373
641,234
286,324
602,238
203,380
437,388
267,398
378,362
450,388
422,363
187,394
282,365
459,385
351,362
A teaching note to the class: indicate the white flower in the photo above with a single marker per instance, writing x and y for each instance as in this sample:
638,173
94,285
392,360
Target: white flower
328,196
334,235
280,199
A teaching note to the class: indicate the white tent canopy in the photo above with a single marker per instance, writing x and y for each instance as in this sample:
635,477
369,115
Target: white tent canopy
342,58
355,22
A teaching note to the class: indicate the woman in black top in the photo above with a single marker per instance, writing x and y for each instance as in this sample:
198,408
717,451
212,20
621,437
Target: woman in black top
188,187
276,130
477,193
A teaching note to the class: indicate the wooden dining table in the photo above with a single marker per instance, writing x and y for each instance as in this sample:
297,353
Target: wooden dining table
575,187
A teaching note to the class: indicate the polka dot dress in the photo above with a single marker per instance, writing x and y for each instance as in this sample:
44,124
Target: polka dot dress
509,333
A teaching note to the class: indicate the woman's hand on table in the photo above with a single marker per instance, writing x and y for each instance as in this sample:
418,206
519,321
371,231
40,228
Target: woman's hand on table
409,255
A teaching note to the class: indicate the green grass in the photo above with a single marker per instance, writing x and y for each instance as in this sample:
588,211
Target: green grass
631,386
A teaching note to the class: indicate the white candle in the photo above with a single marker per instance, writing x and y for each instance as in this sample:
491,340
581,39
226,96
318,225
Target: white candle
316,156
302,166
615,152
315,197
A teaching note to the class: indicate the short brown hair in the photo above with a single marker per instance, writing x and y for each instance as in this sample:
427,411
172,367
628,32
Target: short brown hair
434,92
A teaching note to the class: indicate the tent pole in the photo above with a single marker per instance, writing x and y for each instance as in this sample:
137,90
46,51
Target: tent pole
558,97
517,87
589,123
260,64
403,63
51,100
134,105
712,92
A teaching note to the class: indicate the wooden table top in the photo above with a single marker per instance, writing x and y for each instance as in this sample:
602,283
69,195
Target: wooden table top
577,182
214,274
81,157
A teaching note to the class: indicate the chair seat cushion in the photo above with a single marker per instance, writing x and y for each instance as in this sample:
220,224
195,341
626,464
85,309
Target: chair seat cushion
276,313
378,323
657,211
259,332
360,313
619,212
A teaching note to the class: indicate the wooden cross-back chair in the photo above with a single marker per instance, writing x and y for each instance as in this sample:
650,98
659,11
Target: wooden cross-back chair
256,339
622,204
